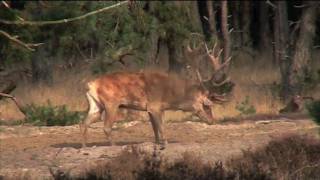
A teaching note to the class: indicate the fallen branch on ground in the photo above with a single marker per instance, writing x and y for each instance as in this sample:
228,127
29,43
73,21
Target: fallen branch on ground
18,104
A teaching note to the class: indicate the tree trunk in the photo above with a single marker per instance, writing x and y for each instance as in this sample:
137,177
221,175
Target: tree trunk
302,54
212,20
225,30
236,35
246,19
203,12
195,16
40,65
282,48
264,33
173,53
276,38
40,62
153,53
154,49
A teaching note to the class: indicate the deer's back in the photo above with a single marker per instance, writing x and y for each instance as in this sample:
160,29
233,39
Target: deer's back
139,88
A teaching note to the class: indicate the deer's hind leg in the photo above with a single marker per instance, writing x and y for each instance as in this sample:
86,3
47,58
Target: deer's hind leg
156,114
94,115
111,115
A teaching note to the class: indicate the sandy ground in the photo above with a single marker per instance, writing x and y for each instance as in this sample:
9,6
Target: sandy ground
28,151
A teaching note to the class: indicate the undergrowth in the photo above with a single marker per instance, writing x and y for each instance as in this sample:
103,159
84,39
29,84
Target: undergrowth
293,157
314,111
50,115
245,107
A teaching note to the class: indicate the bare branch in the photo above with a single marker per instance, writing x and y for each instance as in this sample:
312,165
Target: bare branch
271,4
301,6
18,104
5,4
6,95
43,23
294,22
15,39
8,89
8,7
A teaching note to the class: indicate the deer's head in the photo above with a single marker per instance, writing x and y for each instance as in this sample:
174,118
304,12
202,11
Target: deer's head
217,86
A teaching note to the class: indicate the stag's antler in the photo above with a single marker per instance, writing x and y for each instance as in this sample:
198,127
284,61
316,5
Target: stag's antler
215,60
217,66
193,56
218,78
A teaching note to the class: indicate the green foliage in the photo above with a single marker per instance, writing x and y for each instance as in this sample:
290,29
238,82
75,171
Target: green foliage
314,111
49,115
172,21
10,52
245,107
107,35
125,29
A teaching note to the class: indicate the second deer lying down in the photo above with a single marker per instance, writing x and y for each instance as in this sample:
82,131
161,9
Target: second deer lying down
153,92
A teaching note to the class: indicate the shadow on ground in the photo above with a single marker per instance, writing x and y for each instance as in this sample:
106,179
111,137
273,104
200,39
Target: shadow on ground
99,144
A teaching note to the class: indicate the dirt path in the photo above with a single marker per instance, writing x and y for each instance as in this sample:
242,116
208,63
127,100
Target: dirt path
29,151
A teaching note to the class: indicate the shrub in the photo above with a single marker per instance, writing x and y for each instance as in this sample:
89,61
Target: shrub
314,111
49,115
294,157
245,107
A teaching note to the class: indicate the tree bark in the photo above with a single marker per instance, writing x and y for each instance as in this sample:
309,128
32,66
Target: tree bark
225,30
173,53
203,12
301,68
236,35
194,15
8,88
41,67
212,20
154,38
246,19
276,38
264,33
282,48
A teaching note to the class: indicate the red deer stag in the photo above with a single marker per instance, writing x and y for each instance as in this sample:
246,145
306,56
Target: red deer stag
153,92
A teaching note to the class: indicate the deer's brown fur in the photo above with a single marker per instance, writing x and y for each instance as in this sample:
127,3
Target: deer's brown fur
150,91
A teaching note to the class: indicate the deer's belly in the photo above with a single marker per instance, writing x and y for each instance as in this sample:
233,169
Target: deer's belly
135,105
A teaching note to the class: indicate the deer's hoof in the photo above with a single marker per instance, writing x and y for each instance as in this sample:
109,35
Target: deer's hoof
162,147
163,144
